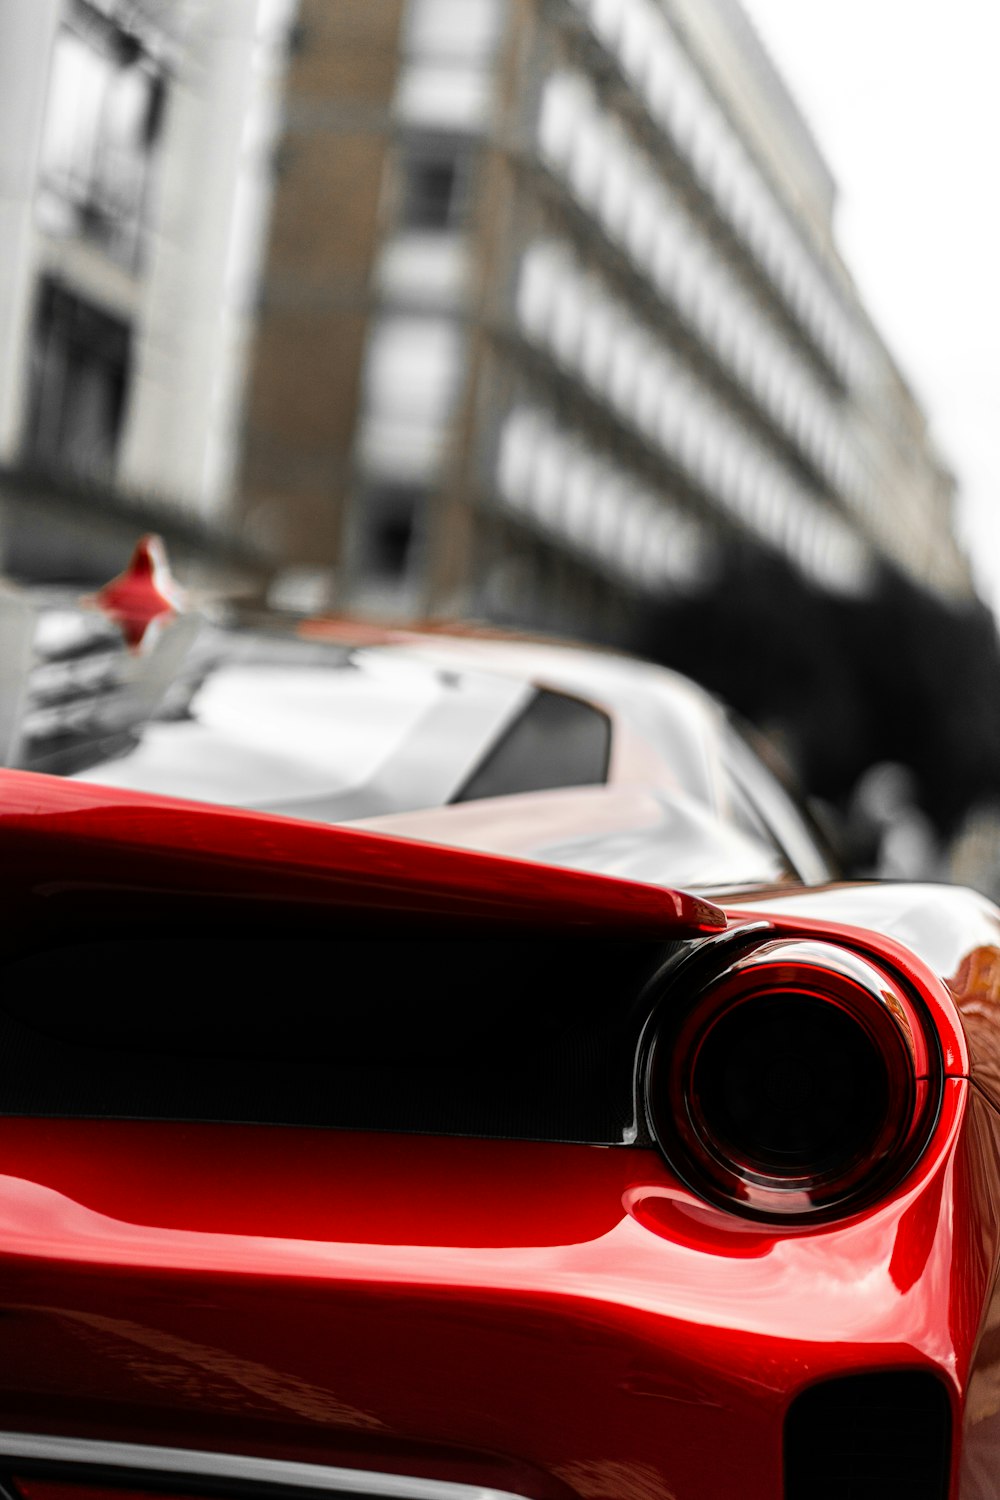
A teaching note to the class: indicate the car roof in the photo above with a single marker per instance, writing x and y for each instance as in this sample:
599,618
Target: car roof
660,705
234,713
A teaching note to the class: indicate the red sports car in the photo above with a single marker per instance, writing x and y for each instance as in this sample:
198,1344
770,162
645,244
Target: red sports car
448,1067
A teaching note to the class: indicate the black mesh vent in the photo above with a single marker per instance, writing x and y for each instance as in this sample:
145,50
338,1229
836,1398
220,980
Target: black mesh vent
869,1437
525,1037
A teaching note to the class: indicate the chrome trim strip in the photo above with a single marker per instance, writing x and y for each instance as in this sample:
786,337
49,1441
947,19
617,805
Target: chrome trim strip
194,1464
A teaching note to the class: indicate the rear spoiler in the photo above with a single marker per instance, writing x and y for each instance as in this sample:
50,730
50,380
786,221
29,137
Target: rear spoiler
77,855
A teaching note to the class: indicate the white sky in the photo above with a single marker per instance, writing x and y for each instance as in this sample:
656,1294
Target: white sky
904,99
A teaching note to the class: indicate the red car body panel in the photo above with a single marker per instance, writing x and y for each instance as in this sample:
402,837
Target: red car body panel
546,1316
67,843
551,1320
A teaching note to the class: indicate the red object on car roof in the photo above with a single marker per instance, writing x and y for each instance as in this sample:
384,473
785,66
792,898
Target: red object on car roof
144,592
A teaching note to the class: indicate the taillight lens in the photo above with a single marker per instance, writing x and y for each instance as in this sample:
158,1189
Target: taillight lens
796,1083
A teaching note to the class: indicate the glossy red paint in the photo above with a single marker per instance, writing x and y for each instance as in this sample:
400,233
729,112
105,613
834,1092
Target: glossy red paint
33,1488
561,1321
977,1178
144,592
946,942
71,847
817,914
834,982
569,1319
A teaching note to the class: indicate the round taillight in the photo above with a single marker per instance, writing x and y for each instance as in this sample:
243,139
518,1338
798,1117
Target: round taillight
795,1083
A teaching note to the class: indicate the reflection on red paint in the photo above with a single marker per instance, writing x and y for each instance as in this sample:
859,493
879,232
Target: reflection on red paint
975,986
915,1235
568,1319
685,1221
158,860
33,1488
432,1303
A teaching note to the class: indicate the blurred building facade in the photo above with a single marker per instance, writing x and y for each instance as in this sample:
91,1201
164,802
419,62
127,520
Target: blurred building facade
553,310
136,139
521,307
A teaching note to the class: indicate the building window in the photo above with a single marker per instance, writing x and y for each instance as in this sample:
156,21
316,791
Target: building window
433,187
79,379
104,113
459,30
388,532
412,381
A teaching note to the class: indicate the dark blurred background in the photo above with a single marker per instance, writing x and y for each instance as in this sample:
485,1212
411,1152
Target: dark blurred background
526,310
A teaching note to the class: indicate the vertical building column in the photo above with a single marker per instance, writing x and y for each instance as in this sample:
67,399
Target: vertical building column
27,33
204,253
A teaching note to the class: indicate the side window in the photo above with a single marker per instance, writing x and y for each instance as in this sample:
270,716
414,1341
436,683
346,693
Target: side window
762,807
555,742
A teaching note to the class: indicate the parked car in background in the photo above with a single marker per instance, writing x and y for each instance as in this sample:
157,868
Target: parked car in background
448,1066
